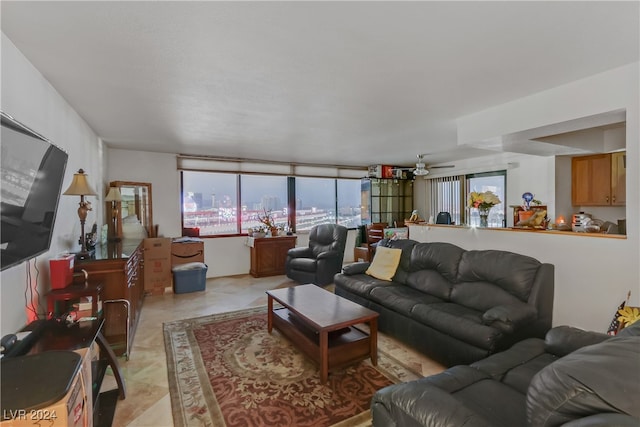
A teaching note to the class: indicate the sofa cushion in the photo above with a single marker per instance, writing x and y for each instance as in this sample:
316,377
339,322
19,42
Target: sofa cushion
514,273
385,263
359,284
406,246
303,264
400,298
457,321
602,377
443,257
430,282
481,296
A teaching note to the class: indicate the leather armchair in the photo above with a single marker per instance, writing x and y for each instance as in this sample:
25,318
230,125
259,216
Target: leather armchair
322,259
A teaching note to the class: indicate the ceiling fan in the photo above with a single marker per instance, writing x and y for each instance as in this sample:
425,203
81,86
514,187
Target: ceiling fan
421,167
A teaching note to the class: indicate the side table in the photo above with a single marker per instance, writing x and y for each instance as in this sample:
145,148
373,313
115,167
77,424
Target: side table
72,292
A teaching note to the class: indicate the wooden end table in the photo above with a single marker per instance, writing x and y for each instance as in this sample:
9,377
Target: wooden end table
321,324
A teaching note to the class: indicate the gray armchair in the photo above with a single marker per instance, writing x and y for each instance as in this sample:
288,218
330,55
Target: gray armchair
322,259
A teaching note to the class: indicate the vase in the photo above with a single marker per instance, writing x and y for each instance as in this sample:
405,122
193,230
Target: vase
484,217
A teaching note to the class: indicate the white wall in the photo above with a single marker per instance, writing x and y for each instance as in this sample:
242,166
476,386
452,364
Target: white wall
29,98
593,274
160,170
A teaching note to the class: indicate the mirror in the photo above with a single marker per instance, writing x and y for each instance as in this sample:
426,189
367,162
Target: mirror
135,213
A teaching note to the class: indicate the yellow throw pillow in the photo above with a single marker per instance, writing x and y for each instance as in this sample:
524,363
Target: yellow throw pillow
385,263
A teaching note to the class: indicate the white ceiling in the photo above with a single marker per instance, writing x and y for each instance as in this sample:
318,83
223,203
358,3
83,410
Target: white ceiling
351,83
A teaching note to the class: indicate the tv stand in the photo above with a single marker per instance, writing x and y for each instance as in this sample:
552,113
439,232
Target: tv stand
49,335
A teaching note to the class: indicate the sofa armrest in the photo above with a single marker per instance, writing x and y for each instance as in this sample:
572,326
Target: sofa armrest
563,340
301,252
604,420
418,403
355,268
509,317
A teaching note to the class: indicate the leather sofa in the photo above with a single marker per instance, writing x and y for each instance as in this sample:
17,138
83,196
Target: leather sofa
454,305
572,378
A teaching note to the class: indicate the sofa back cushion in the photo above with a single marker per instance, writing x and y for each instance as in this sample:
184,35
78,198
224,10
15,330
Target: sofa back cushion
406,245
430,282
439,256
481,296
512,272
595,379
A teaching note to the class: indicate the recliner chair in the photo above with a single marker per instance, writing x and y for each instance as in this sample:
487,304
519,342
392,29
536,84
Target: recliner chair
319,262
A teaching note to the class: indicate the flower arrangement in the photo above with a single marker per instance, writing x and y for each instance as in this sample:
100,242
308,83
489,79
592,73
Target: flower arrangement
484,201
267,219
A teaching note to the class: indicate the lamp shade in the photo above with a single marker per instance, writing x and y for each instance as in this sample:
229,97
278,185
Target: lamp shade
80,186
113,195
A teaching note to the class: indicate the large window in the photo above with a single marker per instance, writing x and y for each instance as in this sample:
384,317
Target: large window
221,203
495,182
261,193
449,194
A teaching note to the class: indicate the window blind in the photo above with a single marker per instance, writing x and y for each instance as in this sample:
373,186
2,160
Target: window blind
447,195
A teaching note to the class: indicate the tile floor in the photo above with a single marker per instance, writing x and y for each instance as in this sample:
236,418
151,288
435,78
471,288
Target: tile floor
145,373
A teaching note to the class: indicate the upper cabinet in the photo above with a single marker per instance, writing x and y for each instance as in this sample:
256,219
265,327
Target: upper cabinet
599,180
619,178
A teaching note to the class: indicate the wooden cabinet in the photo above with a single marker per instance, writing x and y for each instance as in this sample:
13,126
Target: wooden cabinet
269,254
598,180
619,178
120,269
386,200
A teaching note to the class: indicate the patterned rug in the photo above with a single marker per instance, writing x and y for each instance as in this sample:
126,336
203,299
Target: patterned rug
227,370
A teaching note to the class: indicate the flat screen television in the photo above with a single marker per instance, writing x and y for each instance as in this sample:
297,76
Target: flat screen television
32,174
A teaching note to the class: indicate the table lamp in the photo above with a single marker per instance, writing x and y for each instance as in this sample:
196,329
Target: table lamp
114,197
80,187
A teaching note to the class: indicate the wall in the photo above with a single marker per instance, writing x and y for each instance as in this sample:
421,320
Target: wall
593,275
160,170
29,98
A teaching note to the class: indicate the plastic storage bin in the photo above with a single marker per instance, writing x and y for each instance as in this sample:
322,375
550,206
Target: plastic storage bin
190,277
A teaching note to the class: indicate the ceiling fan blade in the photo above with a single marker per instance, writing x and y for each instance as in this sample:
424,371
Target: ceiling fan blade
441,167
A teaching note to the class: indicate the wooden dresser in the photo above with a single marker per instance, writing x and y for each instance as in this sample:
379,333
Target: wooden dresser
269,254
120,268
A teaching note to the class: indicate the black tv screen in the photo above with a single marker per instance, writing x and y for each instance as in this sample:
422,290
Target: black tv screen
32,174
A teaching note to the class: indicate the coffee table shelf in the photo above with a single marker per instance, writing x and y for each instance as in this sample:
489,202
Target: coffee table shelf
344,347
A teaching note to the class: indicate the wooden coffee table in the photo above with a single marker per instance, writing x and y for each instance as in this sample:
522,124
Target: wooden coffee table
321,324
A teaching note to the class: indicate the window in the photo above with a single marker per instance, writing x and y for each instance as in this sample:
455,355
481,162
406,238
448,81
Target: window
446,197
449,194
210,202
488,181
349,202
263,193
220,203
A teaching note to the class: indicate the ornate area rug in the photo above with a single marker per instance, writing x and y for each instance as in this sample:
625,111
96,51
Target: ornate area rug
227,370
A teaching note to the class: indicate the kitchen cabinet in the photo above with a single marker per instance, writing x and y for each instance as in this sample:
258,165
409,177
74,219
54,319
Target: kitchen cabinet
386,200
619,178
598,180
